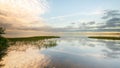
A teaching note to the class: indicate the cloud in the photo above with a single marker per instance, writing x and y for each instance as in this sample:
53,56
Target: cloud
111,13
91,13
23,13
16,14
113,22
112,19
110,22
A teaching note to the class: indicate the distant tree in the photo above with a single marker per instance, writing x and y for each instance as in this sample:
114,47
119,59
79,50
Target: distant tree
3,44
2,31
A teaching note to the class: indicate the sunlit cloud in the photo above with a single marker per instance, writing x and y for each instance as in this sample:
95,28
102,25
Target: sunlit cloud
97,12
22,13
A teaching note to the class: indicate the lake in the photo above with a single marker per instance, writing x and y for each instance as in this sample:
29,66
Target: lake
64,52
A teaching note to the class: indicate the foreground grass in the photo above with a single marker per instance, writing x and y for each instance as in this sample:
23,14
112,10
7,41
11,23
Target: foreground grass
109,38
32,38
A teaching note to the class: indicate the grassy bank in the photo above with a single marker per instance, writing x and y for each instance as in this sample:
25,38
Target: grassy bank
109,38
32,38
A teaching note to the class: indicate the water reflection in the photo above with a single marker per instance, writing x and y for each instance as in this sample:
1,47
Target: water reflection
109,48
113,50
23,45
65,52
81,52
27,54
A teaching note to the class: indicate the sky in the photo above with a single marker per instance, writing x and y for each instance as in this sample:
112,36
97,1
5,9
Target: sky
49,17
63,12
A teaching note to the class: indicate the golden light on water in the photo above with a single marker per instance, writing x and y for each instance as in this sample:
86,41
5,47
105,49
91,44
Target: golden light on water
30,58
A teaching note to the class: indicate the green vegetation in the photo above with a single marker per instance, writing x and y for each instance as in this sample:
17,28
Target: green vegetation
3,44
3,41
108,38
2,31
32,38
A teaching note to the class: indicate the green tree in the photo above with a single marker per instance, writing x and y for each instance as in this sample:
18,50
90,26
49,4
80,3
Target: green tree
3,45
2,31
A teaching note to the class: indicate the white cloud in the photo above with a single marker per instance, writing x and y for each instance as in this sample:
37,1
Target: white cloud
23,13
91,13
97,12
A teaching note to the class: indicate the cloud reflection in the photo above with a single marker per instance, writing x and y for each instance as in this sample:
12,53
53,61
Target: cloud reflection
27,54
31,58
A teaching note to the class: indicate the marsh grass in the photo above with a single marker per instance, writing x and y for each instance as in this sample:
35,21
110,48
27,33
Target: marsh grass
108,38
36,38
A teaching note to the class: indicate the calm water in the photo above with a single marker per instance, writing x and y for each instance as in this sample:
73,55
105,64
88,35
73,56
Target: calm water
65,52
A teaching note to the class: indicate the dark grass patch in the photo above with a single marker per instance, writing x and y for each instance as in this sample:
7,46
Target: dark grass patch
32,38
108,38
